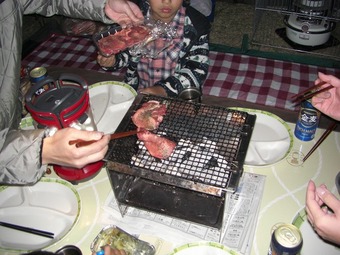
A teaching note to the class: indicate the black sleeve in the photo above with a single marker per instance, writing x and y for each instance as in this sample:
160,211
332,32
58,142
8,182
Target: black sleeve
199,21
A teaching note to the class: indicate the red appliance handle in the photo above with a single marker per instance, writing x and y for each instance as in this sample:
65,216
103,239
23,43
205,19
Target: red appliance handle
83,104
49,118
73,77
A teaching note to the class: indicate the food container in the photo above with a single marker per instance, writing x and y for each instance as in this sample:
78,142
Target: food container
147,39
121,240
117,39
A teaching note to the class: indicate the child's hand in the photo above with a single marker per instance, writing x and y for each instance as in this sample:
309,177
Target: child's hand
155,90
106,61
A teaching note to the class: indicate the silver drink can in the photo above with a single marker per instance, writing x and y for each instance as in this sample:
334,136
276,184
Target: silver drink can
286,240
191,94
37,74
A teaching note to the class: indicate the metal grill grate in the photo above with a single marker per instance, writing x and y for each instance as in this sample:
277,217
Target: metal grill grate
210,152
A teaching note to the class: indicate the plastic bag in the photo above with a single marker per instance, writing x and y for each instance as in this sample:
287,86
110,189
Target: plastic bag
147,39
161,37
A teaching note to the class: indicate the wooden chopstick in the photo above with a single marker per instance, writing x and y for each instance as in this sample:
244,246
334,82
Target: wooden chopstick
80,143
309,89
310,95
330,128
310,92
28,230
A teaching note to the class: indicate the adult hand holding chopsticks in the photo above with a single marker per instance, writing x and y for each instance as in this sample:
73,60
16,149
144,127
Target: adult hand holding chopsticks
318,199
328,102
325,98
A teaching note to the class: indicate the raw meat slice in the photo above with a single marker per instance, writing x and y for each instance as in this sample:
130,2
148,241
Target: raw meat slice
157,146
111,45
122,40
149,115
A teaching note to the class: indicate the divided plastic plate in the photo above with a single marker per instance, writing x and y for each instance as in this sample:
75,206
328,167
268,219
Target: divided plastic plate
271,140
203,248
110,100
51,205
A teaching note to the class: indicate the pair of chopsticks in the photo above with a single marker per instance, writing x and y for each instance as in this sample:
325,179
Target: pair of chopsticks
330,128
310,92
28,230
80,143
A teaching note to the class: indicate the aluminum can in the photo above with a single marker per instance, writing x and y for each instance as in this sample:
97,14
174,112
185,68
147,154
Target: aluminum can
286,240
191,94
307,122
37,74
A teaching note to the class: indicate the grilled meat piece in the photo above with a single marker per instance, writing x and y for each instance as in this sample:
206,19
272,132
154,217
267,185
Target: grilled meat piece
157,146
150,115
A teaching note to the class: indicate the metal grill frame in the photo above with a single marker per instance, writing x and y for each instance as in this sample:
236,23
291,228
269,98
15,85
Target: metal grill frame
222,126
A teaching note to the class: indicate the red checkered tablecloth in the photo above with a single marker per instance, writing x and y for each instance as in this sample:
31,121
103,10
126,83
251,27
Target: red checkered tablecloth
64,51
252,79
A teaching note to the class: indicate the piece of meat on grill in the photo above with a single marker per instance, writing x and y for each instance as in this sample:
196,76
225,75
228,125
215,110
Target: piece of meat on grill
158,146
149,115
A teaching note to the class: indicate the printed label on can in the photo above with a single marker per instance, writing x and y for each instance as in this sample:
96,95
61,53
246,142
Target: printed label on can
307,123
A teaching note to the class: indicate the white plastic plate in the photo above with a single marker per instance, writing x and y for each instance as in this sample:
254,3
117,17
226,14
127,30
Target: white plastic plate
203,248
271,140
110,100
51,205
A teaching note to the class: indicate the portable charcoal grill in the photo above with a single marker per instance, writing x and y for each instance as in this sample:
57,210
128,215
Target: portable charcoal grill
191,184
